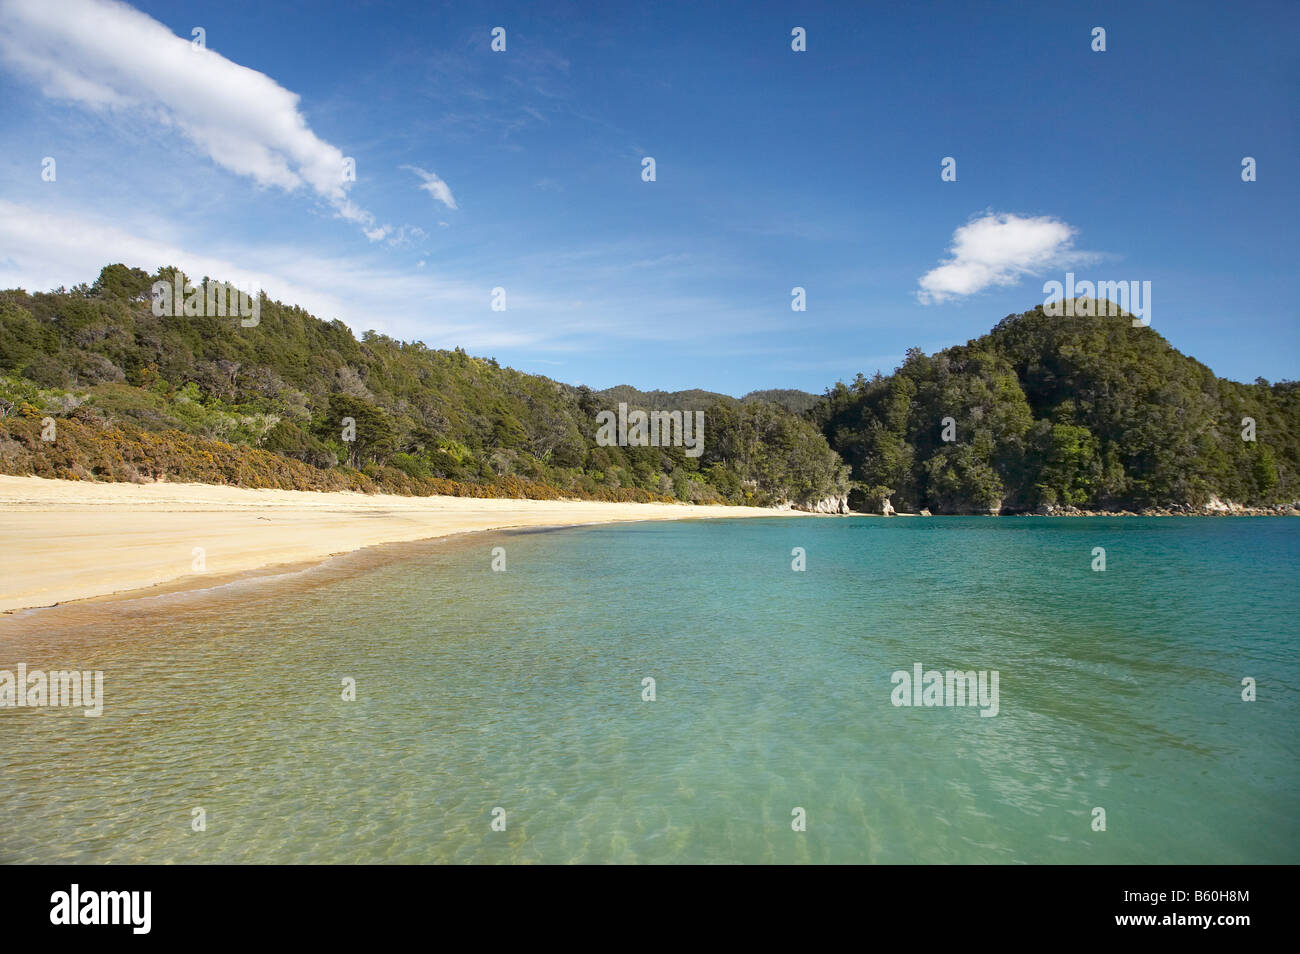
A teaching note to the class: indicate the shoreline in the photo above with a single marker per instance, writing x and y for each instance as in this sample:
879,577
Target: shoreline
66,541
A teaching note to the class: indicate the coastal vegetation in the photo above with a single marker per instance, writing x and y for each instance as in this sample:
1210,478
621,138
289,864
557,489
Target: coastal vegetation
1042,412
298,402
1052,412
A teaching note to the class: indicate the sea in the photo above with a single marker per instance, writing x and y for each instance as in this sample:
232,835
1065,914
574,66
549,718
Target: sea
709,692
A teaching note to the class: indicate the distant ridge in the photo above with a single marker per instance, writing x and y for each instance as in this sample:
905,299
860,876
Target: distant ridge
798,402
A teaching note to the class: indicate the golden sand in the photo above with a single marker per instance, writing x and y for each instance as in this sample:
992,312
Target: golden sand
64,540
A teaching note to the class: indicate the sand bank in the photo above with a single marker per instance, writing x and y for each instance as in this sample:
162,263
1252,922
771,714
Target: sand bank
64,540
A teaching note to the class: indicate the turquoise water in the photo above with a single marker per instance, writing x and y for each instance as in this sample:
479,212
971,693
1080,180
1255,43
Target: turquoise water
523,690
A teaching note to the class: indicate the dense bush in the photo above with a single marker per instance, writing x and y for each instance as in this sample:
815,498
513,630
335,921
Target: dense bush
1089,412
308,392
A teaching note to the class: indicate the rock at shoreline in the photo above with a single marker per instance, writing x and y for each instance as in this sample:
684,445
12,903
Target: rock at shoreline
1215,507
834,504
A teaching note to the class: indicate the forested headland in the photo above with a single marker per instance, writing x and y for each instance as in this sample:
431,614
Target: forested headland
1050,413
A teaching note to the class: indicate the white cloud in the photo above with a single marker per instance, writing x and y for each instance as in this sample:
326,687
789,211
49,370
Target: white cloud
107,55
996,249
434,185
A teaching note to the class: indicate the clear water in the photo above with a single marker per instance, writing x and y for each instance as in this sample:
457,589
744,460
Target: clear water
523,690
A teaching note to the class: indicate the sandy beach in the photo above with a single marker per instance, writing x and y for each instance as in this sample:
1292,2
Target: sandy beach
70,540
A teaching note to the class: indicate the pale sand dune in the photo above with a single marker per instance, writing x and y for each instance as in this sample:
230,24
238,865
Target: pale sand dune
64,540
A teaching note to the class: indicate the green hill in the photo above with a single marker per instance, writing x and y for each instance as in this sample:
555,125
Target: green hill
136,396
1041,412
1045,411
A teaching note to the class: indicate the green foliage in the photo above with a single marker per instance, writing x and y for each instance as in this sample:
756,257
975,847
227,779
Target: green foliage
289,439
420,416
118,281
800,402
1090,412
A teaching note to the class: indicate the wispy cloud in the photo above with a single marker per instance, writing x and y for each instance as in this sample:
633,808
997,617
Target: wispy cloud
576,301
434,185
106,55
43,248
997,249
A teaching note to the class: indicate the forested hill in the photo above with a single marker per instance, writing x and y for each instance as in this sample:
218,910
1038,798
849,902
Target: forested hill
133,396
1042,412
800,402
1050,412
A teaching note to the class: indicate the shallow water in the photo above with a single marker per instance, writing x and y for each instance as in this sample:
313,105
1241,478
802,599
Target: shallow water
523,690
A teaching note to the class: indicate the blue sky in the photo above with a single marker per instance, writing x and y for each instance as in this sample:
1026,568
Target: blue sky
522,169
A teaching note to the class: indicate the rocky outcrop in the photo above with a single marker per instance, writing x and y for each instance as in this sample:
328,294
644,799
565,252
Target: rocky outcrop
1215,507
833,504
1229,508
872,504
